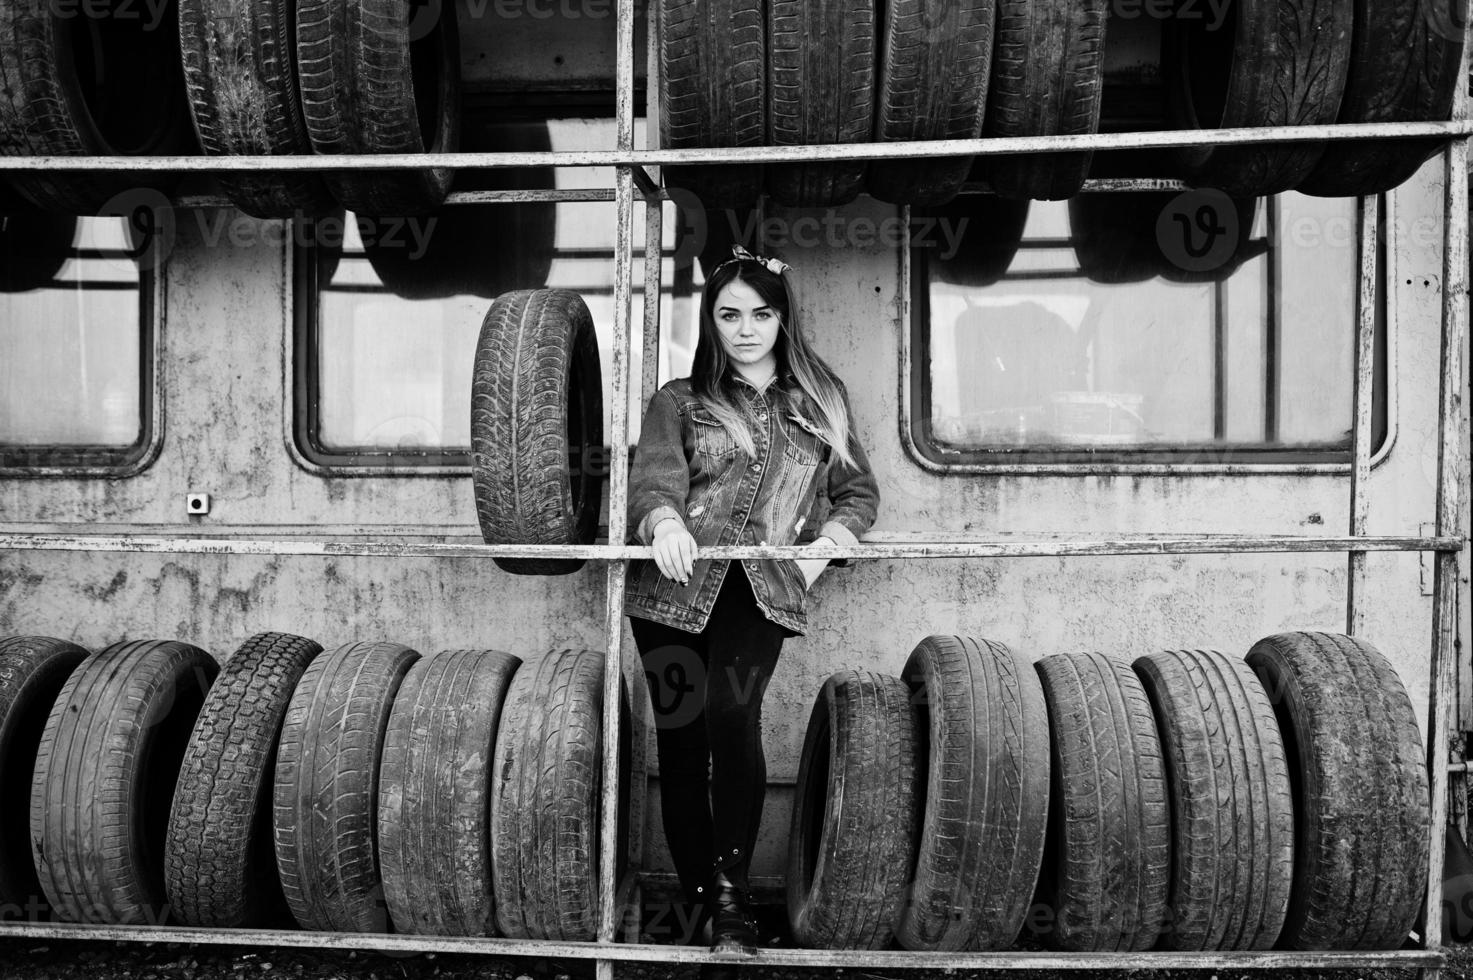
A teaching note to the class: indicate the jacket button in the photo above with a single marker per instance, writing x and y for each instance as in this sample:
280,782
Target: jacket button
697,510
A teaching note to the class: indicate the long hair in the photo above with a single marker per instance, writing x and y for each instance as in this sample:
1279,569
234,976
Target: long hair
711,369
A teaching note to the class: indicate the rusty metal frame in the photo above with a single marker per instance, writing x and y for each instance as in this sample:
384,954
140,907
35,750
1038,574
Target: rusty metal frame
628,158
631,179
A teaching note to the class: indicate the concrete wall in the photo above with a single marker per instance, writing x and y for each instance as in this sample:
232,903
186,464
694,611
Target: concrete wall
227,327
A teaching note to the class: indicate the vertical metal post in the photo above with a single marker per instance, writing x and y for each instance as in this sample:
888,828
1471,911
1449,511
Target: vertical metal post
1361,435
618,487
649,377
1449,507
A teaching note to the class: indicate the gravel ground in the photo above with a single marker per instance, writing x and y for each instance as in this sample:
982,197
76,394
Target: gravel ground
29,959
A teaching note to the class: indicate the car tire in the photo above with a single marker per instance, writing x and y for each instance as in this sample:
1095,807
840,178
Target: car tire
381,76
32,672
325,796
105,776
1232,809
1107,864
713,72
1360,790
935,60
987,792
219,866
435,795
241,75
537,426
1047,79
820,89
857,813
1276,64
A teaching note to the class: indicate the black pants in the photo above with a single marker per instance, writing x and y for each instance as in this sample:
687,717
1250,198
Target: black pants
706,690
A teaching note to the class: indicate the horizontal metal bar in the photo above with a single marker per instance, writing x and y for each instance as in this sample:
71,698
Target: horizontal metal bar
1103,184
586,195
1153,139
1026,548
650,953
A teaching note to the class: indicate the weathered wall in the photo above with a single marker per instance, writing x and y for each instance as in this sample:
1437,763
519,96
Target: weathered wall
226,330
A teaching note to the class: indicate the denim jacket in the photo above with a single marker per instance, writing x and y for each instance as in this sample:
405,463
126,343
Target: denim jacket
688,466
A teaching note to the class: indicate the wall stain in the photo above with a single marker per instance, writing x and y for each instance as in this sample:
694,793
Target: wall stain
105,593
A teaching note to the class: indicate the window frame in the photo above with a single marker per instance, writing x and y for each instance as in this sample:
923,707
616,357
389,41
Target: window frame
54,462
914,300
303,408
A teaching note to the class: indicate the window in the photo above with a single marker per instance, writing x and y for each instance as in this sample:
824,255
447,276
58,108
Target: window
389,311
76,328
1136,327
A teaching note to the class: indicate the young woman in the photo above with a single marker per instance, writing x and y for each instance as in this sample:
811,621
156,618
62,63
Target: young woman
756,447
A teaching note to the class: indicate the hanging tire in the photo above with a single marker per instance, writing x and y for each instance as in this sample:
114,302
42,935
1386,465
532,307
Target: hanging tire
219,866
381,76
32,672
1403,68
1360,791
33,249
986,799
1118,237
1108,859
713,73
105,775
935,58
475,249
434,793
988,230
1047,76
241,75
1233,819
126,97
537,426
325,797
857,813
545,803
1274,63
820,89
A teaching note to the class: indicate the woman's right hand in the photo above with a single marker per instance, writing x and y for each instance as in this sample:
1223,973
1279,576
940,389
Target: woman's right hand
675,550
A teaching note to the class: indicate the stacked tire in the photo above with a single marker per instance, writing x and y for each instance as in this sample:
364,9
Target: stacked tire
256,78
854,71
366,789
1190,801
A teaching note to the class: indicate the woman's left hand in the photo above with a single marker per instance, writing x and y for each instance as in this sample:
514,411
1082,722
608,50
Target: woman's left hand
812,568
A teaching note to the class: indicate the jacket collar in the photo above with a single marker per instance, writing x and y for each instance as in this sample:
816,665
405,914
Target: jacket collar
786,377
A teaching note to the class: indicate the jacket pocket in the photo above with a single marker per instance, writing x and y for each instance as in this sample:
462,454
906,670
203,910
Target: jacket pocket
711,438
794,583
803,444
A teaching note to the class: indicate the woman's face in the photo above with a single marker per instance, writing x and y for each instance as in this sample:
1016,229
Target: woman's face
747,325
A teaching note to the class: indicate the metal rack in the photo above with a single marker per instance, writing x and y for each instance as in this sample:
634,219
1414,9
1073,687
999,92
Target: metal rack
633,183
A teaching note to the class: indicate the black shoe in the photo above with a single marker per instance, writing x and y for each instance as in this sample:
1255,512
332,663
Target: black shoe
732,930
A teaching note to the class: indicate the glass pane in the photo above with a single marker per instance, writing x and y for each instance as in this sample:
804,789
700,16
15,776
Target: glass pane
70,330
1103,330
400,309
